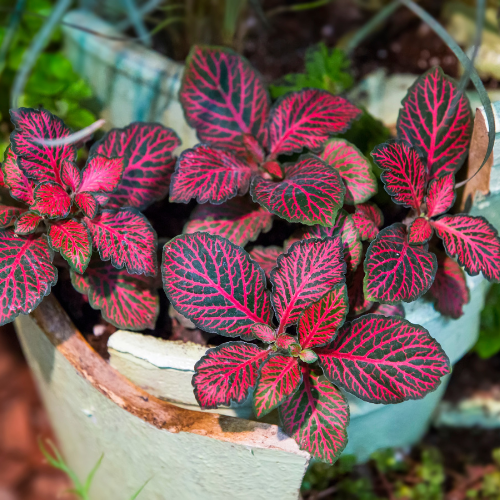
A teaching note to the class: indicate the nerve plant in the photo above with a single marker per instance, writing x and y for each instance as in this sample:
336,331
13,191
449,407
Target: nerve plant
310,355
75,212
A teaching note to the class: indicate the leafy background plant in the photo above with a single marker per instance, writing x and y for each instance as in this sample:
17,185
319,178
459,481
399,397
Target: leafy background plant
53,84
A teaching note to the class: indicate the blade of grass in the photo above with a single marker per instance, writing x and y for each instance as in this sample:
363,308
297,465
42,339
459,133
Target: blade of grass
297,7
138,492
136,20
371,26
14,22
90,477
36,47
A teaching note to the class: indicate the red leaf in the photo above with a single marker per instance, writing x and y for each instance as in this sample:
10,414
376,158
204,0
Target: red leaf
403,173
279,378
146,149
285,341
38,161
266,257
436,123
237,220
309,270
215,284
208,174
126,238
440,195
311,192
72,239
306,119
318,324
27,223
70,175
368,219
51,200
473,241
223,97
449,290
26,274
346,229
8,215
353,167
87,203
391,309
316,416
420,231
101,174
21,188
264,332
226,374
396,271
125,300
384,360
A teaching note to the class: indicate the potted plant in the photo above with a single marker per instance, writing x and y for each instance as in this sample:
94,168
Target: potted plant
322,274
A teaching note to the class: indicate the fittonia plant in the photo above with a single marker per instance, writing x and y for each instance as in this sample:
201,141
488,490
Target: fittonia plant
244,140
74,212
297,352
306,355
222,290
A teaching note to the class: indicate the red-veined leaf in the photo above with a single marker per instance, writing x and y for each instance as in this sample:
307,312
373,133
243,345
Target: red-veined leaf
70,175
403,173
27,223
26,274
390,309
449,290
368,219
87,203
346,229
473,241
316,416
51,200
146,149
304,274
72,239
437,122
38,161
279,378
101,174
21,188
419,232
306,119
384,360
264,332
440,195
223,97
396,271
266,257
125,300
126,238
209,174
310,193
8,215
318,324
215,284
238,220
285,341
358,304
225,374
353,167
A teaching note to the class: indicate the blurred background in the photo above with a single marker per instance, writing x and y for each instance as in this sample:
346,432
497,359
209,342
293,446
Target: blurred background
121,60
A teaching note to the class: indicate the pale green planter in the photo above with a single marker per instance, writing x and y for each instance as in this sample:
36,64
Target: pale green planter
131,82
